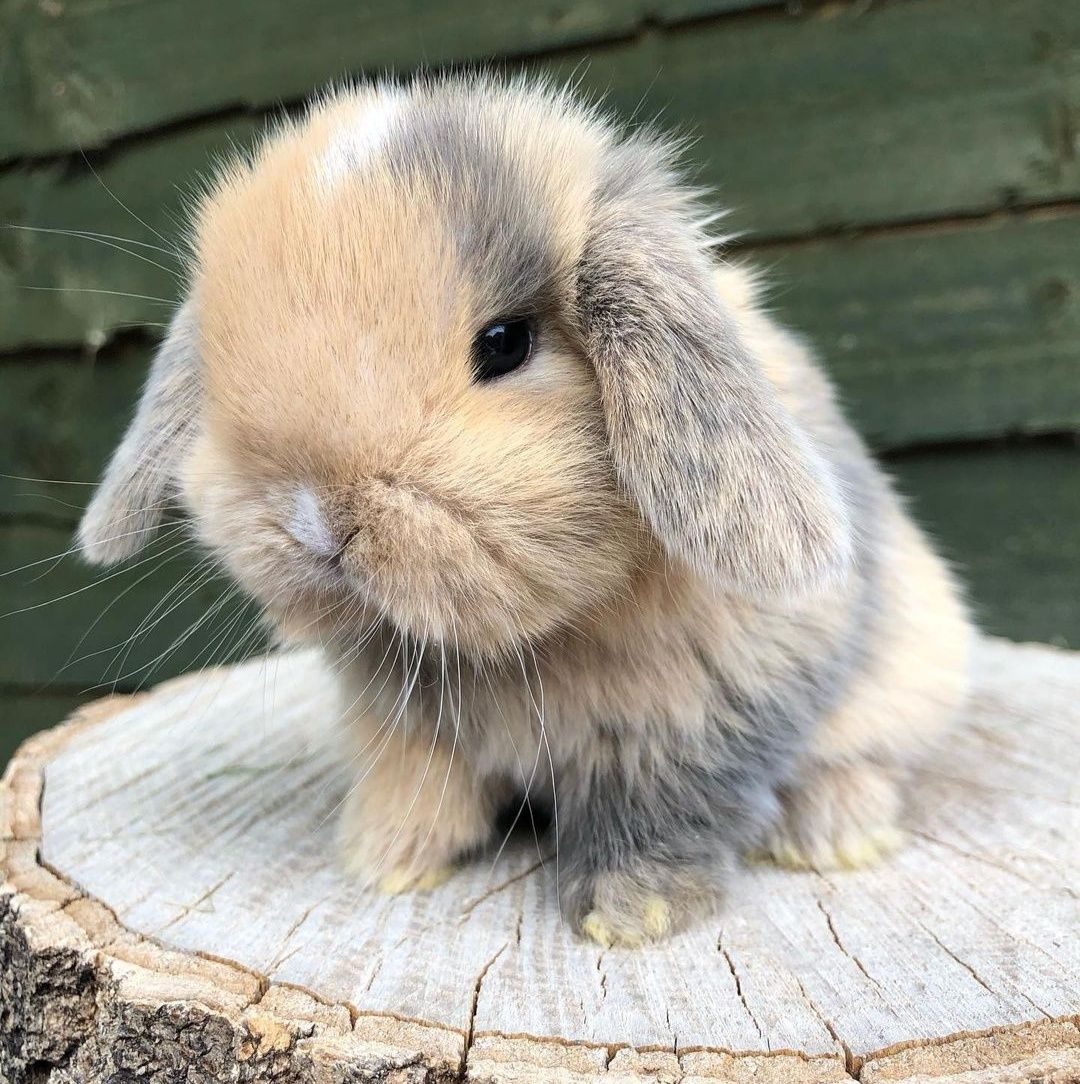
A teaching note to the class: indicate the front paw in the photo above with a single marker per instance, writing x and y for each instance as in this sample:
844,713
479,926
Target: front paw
632,910
394,840
392,854
408,879
836,817
649,920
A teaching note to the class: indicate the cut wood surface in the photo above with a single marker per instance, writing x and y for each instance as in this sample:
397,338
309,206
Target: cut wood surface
171,899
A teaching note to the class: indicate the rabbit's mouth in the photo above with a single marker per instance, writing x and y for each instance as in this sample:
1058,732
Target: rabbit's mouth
435,567
482,545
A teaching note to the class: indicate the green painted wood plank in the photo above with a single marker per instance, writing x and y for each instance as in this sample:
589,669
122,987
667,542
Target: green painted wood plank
77,73
59,421
64,623
969,331
851,114
840,113
966,332
23,714
908,110
1009,518
57,289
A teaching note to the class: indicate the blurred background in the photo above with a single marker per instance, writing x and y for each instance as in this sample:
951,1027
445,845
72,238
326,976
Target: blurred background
906,171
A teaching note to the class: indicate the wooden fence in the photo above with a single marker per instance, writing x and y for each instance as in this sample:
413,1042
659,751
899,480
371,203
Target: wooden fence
908,172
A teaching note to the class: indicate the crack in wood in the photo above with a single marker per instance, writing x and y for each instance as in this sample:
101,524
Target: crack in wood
477,984
195,907
281,956
843,948
1035,210
739,990
987,860
992,918
674,1033
970,969
374,974
603,974
471,905
852,1063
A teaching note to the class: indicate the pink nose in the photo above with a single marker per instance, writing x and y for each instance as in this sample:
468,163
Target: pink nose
308,525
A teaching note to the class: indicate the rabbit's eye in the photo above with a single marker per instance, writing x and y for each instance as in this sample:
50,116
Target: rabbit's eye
501,348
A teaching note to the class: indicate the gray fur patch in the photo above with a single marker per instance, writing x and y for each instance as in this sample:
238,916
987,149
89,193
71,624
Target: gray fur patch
699,440
500,230
673,832
137,484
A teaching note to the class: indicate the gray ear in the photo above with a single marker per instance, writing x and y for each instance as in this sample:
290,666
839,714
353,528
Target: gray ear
720,470
134,490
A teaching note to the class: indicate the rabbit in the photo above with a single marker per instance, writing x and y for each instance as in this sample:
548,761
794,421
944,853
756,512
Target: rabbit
463,390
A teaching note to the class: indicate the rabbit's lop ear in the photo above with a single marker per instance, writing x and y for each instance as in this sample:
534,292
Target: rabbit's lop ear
699,439
130,500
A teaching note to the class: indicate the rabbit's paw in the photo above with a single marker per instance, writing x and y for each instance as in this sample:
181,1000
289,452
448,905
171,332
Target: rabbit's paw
398,854
401,833
651,922
836,817
631,910
406,879
849,852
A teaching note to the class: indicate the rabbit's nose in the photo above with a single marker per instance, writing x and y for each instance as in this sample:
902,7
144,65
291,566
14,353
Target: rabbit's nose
309,524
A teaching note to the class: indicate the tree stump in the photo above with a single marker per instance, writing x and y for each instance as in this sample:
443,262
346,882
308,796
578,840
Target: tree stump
170,910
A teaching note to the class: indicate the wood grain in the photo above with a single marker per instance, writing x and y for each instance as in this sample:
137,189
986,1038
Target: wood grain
57,289
1007,517
943,333
61,416
205,805
76,74
847,114
838,112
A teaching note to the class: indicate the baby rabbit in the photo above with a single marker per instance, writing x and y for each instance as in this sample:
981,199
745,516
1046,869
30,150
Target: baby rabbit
459,393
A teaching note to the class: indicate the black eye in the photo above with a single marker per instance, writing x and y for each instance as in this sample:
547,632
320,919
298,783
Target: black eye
501,348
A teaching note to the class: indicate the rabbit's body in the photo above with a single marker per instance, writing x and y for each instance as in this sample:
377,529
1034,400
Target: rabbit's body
701,717
646,574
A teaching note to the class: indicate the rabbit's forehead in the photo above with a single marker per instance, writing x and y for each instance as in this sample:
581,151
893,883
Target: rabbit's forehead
396,192
458,133
508,184
370,244
508,177
356,139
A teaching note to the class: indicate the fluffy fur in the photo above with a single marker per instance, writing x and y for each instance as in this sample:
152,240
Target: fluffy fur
652,579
